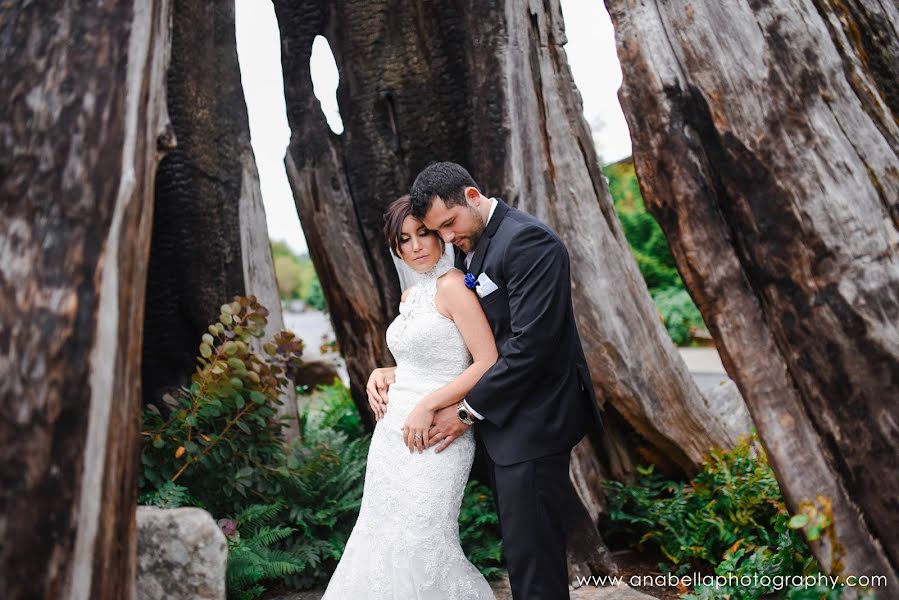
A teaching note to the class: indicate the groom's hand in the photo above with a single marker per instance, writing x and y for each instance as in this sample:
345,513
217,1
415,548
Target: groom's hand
446,428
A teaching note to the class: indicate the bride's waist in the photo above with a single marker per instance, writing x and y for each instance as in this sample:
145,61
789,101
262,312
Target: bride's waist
411,381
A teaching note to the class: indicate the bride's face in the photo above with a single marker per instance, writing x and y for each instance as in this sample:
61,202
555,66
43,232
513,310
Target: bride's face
419,246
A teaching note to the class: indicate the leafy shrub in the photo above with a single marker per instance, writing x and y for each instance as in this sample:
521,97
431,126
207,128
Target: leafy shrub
653,255
286,509
731,499
216,444
324,498
335,411
479,531
170,495
681,317
731,516
299,535
220,437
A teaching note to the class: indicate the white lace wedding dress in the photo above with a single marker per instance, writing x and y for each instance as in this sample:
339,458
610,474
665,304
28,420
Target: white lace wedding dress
405,543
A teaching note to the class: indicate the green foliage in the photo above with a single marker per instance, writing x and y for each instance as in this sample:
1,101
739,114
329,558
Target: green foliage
623,185
336,411
731,515
732,499
296,277
653,256
253,555
681,316
287,510
324,495
169,495
479,531
316,297
216,445
220,437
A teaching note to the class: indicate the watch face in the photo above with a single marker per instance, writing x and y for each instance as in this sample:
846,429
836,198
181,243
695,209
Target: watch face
463,413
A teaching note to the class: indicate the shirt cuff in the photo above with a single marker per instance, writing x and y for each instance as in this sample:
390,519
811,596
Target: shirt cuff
473,412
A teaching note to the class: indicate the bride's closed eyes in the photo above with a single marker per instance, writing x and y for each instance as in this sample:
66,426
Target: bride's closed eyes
421,233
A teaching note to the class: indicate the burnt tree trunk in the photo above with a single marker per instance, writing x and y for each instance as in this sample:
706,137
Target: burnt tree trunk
83,107
486,85
210,239
493,92
765,142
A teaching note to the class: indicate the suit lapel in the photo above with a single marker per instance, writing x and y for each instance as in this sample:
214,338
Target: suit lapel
477,261
459,258
480,251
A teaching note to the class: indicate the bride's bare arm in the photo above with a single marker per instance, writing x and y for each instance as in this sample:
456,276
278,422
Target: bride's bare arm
455,301
459,303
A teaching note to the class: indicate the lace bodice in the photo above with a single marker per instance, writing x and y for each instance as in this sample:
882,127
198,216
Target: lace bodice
422,340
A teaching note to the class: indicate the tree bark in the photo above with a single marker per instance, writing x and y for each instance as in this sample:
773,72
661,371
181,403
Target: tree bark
83,112
357,278
486,85
442,83
210,239
765,141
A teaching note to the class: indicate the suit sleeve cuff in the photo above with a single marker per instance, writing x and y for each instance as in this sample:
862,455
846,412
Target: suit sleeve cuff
473,412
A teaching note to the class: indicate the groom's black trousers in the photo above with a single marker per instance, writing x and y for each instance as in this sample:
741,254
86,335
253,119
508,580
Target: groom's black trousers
531,498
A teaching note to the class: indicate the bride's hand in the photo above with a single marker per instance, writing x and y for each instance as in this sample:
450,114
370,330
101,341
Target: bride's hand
378,383
415,431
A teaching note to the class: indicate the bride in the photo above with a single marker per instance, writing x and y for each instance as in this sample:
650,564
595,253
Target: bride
405,543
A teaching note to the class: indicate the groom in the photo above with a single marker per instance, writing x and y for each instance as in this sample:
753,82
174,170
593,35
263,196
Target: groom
536,403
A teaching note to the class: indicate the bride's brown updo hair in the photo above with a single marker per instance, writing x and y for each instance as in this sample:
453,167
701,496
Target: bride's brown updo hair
394,216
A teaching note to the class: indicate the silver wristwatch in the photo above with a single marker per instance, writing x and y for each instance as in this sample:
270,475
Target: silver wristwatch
464,415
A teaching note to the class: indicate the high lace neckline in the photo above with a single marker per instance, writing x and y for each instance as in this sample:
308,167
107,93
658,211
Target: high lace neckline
442,266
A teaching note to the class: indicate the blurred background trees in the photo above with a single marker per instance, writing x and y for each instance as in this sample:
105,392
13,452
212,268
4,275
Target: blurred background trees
297,279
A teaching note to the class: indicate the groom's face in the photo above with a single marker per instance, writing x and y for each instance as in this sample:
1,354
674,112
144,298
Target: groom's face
460,225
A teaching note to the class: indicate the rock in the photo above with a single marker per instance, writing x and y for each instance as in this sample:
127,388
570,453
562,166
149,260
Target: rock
725,400
181,554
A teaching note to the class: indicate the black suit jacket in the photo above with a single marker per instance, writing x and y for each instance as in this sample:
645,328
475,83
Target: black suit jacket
538,398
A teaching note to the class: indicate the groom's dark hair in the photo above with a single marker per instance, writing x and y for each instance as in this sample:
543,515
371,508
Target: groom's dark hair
447,180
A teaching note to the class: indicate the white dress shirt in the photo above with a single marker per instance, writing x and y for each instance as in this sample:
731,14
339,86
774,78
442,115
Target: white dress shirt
468,256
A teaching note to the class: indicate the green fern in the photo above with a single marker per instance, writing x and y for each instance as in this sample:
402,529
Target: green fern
257,515
479,532
730,516
169,495
267,536
252,557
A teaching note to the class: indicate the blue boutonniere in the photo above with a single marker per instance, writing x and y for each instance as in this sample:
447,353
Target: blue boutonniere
470,281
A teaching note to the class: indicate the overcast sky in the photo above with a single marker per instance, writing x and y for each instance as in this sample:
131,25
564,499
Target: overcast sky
591,54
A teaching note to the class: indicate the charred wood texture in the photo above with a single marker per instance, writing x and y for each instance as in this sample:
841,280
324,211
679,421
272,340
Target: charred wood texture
82,113
765,139
210,239
485,84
